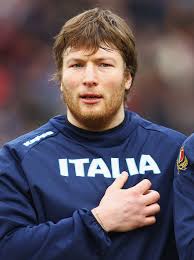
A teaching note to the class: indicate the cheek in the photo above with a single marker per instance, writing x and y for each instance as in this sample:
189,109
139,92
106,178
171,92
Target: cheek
69,82
115,77
113,83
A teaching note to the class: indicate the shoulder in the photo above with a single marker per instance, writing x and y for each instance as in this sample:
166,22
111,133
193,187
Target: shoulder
157,131
23,144
188,147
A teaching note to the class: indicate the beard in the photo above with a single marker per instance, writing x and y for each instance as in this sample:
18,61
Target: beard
95,117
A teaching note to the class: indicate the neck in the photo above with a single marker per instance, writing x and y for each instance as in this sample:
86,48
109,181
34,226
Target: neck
97,125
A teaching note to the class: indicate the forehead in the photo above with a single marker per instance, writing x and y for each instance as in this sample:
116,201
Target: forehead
101,53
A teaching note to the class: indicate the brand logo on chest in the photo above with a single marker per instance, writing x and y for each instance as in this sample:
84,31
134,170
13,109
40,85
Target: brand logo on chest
86,167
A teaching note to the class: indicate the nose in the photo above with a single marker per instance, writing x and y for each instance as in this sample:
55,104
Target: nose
90,76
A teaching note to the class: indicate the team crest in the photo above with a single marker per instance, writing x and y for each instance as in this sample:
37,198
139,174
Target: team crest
182,161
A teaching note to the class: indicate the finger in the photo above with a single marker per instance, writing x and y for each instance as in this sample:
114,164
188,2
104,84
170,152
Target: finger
151,197
120,181
152,210
149,221
143,186
147,192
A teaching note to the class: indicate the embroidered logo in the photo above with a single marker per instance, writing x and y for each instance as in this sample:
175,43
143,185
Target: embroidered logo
182,161
38,138
87,167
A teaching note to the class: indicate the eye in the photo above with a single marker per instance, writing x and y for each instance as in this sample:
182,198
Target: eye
105,65
76,65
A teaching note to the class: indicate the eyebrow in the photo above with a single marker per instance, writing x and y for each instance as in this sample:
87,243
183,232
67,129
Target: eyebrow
85,59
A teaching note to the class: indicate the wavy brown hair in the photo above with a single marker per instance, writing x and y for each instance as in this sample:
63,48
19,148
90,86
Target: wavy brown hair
93,29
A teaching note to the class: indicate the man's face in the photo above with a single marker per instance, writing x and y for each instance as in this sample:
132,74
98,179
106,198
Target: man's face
93,87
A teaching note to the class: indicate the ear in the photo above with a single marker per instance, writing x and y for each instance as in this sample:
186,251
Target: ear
128,81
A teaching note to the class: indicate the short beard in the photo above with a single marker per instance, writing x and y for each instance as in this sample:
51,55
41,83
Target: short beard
96,121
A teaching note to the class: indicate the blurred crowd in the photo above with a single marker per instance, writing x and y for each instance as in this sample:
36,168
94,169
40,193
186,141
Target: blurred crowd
163,90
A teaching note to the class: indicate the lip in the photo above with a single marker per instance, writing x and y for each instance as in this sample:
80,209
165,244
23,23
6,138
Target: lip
91,98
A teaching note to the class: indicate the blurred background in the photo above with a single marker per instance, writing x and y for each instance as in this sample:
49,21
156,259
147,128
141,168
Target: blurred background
164,86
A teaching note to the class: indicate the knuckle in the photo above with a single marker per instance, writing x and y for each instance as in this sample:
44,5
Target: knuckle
156,195
157,207
133,192
153,220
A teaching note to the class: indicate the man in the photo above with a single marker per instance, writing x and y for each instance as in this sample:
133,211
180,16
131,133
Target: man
87,185
184,200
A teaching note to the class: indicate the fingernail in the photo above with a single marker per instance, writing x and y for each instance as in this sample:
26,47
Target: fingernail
124,173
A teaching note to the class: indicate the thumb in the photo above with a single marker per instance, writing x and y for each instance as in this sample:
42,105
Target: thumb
120,181
143,186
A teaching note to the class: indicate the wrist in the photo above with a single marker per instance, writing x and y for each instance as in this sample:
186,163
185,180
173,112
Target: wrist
99,219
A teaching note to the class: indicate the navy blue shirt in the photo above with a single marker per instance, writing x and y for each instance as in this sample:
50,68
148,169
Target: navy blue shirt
184,200
51,178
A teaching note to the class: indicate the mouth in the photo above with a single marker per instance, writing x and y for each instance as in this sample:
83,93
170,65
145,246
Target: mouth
91,98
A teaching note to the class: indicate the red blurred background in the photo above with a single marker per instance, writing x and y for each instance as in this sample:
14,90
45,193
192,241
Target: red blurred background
164,87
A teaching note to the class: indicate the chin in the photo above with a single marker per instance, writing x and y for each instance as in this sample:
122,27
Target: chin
92,115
